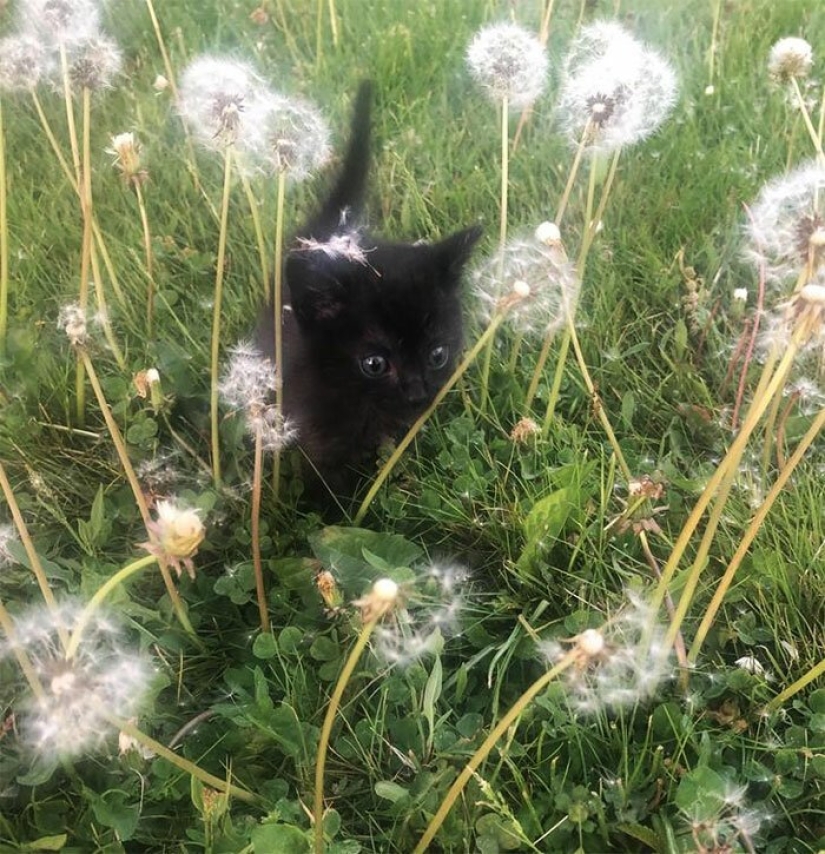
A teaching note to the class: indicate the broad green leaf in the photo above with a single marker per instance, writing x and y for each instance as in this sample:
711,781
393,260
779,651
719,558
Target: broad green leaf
390,791
279,839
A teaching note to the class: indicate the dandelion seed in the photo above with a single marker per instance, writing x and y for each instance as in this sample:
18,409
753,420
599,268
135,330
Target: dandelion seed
59,22
72,320
618,665
508,62
275,431
215,96
790,58
103,679
615,91
540,277
786,228
175,535
23,63
94,63
286,135
346,246
751,664
421,614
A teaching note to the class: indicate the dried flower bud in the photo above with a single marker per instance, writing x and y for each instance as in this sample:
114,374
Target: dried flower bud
176,535
126,151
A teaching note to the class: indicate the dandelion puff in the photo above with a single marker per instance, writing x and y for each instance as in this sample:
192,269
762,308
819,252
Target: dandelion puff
426,610
341,246
103,679
790,58
538,280
615,90
59,22
287,135
215,95
94,63
175,535
618,665
24,62
72,320
786,223
248,378
508,62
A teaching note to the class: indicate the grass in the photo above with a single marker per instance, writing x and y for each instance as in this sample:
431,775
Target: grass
542,525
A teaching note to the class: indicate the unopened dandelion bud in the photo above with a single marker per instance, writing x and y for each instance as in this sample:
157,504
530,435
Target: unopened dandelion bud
176,535
329,590
160,84
790,58
591,643
155,388
521,289
740,295
548,232
524,430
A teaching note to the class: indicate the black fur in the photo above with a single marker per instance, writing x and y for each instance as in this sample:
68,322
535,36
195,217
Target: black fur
373,307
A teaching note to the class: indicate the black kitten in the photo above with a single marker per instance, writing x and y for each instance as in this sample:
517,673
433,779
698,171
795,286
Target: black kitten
372,329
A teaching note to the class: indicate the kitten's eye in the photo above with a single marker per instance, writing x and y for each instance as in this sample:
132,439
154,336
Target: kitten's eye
438,356
374,366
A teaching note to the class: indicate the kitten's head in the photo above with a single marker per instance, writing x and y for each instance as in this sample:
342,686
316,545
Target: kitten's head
383,320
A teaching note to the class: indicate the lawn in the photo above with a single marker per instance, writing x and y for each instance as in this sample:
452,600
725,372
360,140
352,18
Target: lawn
581,606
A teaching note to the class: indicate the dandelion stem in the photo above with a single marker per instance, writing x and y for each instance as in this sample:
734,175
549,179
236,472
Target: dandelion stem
278,318
7,625
505,172
814,673
488,744
216,318
732,457
402,446
167,62
806,118
750,534
129,471
714,40
4,242
105,589
333,23
180,762
257,479
329,719
574,169
147,254
259,233
31,552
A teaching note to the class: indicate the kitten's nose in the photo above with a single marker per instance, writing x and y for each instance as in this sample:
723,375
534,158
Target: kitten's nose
415,392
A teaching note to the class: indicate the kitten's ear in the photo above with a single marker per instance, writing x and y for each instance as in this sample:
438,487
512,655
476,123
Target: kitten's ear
453,252
317,296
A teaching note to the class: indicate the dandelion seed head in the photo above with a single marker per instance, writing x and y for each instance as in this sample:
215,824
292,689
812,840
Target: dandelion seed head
59,22
790,58
216,95
94,63
249,378
786,224
24,62
621,664
538,275
72,320
524,430
287,135
425,611
175,535
615,91
103,678
509,62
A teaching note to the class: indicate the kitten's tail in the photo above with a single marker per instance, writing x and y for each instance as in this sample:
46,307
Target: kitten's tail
345,201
